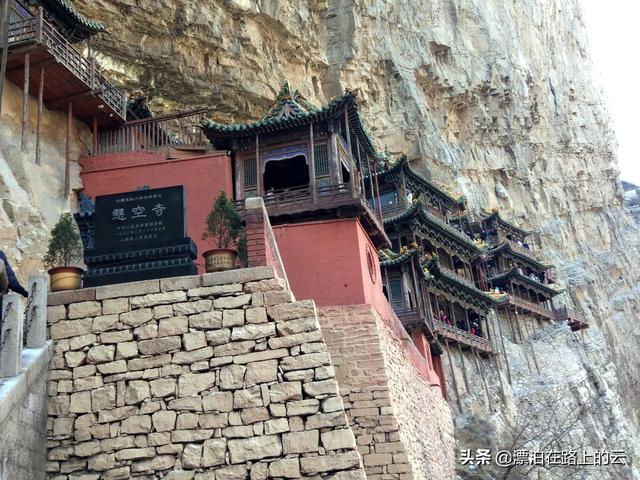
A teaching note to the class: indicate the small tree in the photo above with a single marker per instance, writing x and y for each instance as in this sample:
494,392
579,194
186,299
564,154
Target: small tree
224,226
65,246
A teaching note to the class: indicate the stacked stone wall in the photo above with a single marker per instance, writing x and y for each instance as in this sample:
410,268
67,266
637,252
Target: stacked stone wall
220,376
403,426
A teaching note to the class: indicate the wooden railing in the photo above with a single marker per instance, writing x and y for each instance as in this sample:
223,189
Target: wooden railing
27,28
165,131
278,201
531,307
575,319
409,317
462,336
462,279
394,209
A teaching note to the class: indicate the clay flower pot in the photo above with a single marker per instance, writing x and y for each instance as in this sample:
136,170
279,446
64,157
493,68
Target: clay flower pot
220,259
65,278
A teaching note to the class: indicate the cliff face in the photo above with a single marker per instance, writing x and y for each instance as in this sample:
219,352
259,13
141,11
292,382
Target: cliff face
495,97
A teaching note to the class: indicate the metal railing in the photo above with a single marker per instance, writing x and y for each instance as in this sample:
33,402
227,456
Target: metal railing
164,131
26,28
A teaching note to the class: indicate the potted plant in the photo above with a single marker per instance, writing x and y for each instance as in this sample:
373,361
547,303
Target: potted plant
64,255
224,227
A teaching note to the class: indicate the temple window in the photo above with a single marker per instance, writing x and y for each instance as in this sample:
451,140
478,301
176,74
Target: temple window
395,288
321,158
250,176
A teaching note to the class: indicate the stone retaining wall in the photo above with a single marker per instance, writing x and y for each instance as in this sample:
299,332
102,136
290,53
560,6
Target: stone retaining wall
403,426
220,376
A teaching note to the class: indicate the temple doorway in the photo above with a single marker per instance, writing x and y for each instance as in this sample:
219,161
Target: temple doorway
286,173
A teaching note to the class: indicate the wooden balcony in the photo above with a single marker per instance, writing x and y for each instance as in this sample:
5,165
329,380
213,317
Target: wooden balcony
464,280
344,200
177,130
69,77
410,318
464,338
534,309
575,319
394,209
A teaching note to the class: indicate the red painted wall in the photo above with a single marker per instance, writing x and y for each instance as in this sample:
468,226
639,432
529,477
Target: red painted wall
327,261
202,176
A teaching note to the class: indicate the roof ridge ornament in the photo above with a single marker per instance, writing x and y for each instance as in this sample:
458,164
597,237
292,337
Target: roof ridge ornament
289,104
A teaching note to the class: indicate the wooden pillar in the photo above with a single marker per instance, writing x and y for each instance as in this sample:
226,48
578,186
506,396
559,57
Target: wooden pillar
312,166
513,331
464,367
480,367
94,128
25,103
533,350
67,165
39,124
259,179
504,349
453,375
524,346
375,172
360,166
4,43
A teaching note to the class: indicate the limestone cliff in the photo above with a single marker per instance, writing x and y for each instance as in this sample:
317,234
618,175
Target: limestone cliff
495,97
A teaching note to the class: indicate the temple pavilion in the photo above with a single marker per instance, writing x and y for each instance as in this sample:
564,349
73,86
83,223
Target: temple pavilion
307,162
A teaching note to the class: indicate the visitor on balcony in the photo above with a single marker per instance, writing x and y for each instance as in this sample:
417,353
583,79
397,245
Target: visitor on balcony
444,318
526,245
475,328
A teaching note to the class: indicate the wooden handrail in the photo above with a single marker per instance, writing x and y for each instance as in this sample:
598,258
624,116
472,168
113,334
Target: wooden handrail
165,131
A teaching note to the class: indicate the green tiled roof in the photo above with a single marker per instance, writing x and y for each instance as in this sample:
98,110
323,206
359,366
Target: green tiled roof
291,109
508,225
417,209
66,12
433,268
516,253
513,273
389,258
403,164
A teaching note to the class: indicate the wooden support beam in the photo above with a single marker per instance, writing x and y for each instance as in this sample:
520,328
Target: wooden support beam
67,165
487,391
25,103
504,350
4,44
259,178
524,345
312,166
59,102
34,65
94,131
39,124
453,375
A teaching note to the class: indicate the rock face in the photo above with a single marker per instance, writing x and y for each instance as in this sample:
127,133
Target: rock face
33,195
